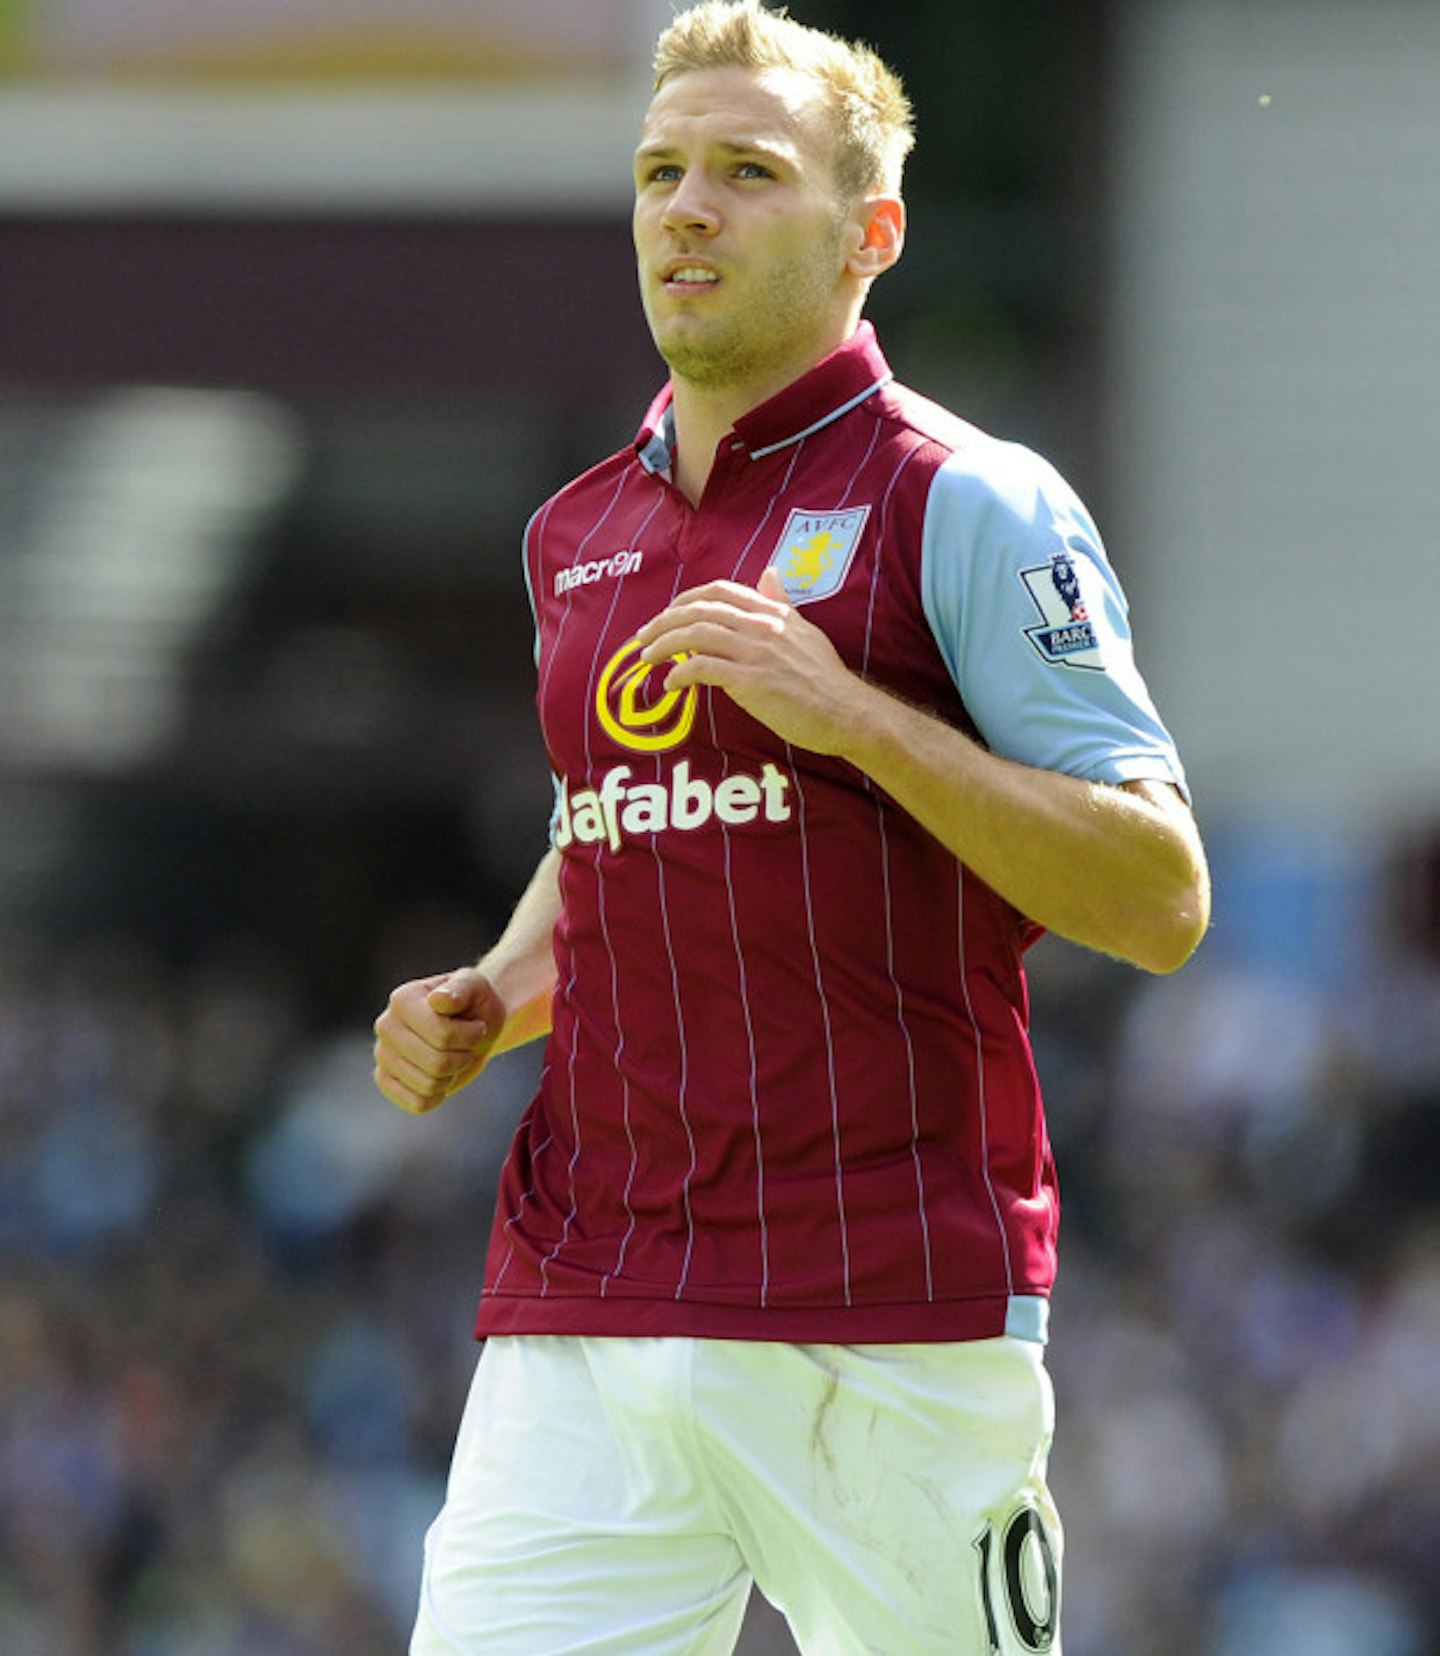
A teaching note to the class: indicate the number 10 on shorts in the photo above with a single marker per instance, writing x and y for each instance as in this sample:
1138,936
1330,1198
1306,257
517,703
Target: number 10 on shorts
1019,1584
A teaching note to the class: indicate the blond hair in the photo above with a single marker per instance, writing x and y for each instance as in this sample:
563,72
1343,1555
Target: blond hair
873,118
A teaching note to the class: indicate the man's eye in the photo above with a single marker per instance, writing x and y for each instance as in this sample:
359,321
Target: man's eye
752,169
665,173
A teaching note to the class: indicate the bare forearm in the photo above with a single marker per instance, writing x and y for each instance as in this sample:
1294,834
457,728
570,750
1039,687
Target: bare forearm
521,965
1119,869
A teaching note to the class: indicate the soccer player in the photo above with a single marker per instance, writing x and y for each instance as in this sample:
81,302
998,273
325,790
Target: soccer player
842,709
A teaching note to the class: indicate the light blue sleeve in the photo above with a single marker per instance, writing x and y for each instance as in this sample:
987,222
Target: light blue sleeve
1031,621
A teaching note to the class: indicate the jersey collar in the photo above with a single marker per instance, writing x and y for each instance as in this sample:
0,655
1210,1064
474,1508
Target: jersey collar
844,380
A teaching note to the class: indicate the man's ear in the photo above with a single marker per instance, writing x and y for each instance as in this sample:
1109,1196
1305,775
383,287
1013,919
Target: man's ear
882,236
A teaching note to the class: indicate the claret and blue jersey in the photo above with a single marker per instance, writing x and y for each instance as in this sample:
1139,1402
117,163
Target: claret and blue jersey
788,1092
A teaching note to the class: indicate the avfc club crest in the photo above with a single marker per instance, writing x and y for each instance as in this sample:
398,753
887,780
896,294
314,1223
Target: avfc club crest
1066,635
815,552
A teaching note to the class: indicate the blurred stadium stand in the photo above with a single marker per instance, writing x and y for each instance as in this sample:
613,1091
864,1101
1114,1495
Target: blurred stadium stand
296,327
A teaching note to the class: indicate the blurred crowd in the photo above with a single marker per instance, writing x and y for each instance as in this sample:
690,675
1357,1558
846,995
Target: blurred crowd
235,1297
236,1290
1247,1332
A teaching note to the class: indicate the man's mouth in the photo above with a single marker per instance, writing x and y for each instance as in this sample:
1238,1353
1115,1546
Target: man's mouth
691,276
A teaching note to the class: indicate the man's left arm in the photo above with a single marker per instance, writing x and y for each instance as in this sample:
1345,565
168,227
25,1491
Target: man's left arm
1118,868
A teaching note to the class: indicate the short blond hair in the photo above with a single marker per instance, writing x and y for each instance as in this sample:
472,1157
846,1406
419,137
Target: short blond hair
874,121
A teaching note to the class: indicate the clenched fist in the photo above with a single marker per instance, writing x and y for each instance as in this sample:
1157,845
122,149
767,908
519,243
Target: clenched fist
434,1036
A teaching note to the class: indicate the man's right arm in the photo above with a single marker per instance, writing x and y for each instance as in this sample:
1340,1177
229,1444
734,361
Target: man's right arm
436,1034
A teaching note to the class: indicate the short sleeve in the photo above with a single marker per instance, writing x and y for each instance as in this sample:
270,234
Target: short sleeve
1032,623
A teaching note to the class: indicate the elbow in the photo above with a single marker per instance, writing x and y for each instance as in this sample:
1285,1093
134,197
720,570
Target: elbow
1168,952
1177,931
1177,915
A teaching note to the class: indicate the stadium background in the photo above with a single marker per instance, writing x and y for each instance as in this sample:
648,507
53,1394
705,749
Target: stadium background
303,307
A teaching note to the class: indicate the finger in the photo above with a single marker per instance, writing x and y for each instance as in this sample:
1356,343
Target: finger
448,999
410,1009
440,1048
414,1087
418,1087
713,631
412,1100
722,601
407,1087
773,587
696,634
723,592
466,992
461,1014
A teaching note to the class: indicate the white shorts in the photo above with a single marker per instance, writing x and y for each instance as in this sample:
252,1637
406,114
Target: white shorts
617,1497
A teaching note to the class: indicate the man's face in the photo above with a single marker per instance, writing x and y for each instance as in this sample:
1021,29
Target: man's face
740,233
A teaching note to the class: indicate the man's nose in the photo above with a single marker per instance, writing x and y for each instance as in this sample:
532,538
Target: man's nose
692,206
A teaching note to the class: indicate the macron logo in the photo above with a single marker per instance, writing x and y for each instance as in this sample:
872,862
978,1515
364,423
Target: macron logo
585,574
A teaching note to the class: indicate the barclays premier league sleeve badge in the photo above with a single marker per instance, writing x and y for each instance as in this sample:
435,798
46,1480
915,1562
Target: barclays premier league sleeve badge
1065,635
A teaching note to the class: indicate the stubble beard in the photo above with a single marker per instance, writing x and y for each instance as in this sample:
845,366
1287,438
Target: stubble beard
717,359
775,326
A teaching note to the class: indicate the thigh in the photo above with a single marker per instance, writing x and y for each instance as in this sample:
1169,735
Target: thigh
894,1498
572,1523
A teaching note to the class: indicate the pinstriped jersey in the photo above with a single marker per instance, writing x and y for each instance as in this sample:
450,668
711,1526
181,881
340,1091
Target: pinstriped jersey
789,1092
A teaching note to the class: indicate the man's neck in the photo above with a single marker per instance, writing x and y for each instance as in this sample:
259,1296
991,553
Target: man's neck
701,420
703,415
